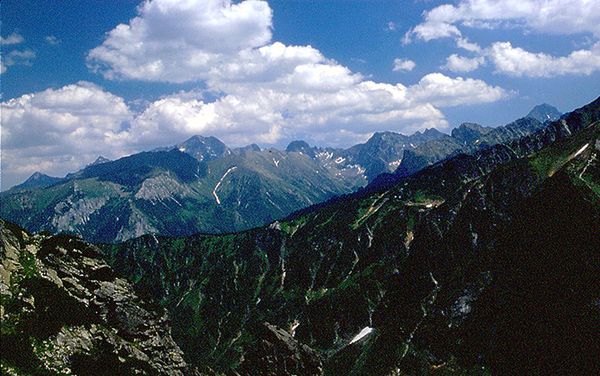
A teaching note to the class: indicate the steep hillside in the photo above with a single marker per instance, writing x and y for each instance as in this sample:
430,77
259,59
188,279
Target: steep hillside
470,137
481,263
199,185
383,151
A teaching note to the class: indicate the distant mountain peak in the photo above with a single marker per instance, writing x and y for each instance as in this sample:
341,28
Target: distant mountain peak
468,133
544,112
388,137
251,147
384,133
298,145
203,148
468,125
38,179
431,132
202,139
99,160
36,176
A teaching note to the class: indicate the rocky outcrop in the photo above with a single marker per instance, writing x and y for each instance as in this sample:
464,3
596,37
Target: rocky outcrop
65,312
276,352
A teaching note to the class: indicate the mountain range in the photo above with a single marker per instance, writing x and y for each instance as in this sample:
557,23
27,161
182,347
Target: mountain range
414,278
201,185
482,263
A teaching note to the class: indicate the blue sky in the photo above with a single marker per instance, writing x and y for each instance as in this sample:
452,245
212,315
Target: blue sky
75,85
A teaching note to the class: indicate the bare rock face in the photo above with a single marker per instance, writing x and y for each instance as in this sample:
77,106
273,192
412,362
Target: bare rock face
276,352
65,312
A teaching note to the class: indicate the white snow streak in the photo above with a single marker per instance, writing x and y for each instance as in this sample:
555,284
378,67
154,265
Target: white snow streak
364,332
214,192
581,150
295,325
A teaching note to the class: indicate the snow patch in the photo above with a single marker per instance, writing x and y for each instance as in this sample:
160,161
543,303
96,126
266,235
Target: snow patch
276,162
324,155
593,158
581,150
294,326
214,192
363,333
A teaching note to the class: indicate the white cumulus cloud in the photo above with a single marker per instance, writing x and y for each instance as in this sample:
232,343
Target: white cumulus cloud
403,65
14,57
180,41
465,44
59,130
516,61
547,16
441,90
556,17
456,63
266,90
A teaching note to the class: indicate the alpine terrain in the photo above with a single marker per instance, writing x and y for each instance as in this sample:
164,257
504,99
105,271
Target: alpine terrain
201,185
483,263
300,188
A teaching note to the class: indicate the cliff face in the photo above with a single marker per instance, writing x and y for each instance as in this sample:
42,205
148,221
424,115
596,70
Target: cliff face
65,312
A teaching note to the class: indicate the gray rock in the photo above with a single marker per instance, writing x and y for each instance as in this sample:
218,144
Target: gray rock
64,311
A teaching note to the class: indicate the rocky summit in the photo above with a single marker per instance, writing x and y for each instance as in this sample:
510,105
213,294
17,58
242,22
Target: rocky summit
544,112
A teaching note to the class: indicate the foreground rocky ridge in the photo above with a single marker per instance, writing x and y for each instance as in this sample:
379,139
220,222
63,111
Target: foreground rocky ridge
481,263
63,311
